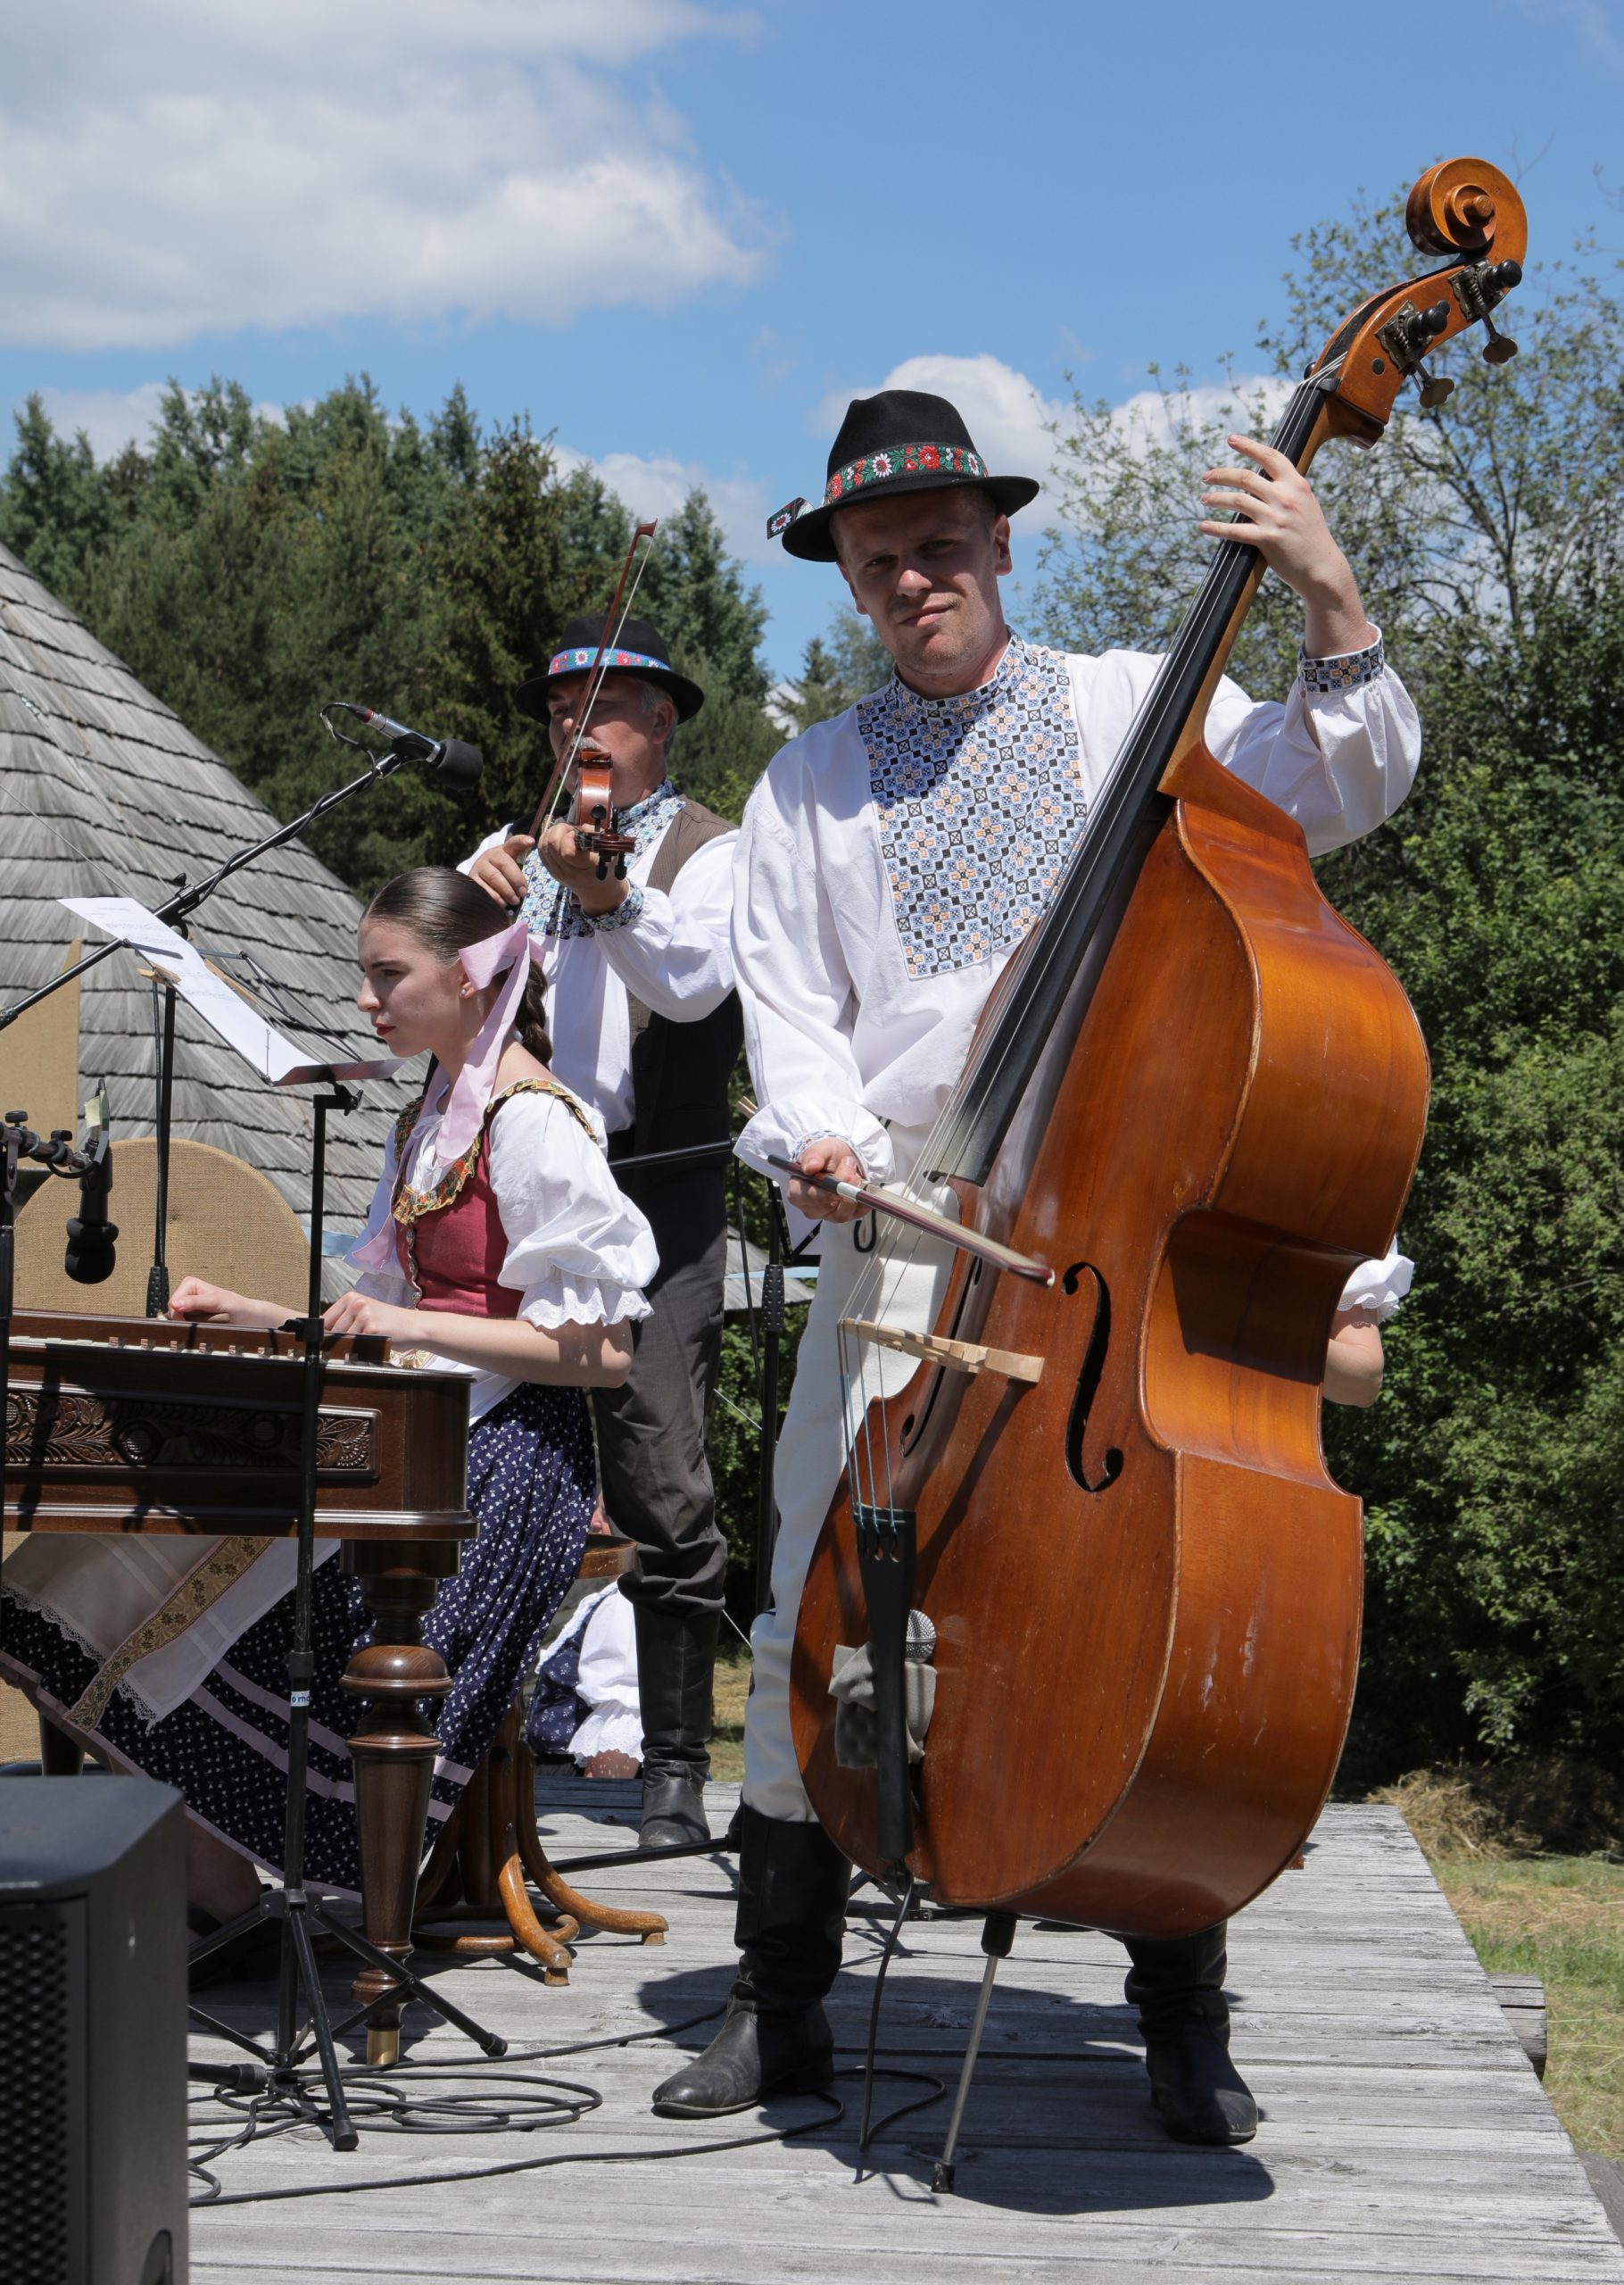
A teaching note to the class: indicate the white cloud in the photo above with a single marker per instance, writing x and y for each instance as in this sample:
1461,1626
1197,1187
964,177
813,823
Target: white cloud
183,167
656,486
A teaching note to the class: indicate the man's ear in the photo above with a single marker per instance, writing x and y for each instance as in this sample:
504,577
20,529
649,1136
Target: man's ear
857,604
1005,561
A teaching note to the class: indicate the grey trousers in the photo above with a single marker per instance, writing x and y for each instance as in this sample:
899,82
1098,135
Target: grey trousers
657,1485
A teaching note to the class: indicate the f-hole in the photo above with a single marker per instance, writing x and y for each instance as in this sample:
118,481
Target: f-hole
1079,1278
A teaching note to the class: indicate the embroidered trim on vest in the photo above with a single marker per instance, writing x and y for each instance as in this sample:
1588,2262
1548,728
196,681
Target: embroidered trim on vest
196,1594
409,1206
979,802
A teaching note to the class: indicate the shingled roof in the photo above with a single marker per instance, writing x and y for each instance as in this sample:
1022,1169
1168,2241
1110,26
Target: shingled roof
104,792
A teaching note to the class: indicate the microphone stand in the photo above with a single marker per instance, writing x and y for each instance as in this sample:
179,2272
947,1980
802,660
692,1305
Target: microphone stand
175,912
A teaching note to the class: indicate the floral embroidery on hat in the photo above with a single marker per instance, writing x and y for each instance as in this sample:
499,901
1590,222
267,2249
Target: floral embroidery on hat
978,800
874,468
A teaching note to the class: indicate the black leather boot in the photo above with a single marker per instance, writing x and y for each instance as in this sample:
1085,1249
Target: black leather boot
1178,1989
677,1655
774,2038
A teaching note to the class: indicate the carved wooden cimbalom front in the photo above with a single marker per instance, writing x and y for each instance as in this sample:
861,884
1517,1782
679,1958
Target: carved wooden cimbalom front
79,1429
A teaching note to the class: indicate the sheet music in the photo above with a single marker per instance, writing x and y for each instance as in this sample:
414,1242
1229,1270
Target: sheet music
263,1048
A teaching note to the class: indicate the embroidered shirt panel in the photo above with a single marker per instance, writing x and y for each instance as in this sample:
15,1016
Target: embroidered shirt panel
553,911
979,802
1350,671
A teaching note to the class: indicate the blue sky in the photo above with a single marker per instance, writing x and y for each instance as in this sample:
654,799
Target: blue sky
682,236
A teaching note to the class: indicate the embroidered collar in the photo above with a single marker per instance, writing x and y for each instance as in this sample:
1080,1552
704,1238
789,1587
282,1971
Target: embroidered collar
550,907
964,706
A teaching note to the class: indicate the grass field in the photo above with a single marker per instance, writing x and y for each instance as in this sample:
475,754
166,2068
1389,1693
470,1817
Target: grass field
1560,1918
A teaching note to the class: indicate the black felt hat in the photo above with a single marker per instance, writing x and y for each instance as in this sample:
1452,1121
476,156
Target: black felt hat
642,650
902,440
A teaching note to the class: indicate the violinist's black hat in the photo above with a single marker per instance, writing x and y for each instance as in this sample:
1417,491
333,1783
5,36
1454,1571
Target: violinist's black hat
902,440
642,650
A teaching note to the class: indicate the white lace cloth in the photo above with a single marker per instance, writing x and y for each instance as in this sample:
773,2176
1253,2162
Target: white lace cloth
578,1251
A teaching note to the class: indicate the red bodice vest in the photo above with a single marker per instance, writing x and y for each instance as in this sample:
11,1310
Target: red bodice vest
460,1249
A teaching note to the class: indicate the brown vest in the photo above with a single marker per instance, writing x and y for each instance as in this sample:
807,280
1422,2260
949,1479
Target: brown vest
680,1072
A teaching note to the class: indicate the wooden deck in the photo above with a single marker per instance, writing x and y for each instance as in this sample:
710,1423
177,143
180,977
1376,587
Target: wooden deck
1404,2134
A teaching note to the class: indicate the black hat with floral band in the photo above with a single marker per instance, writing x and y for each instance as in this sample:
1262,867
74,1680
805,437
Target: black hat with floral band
642,650
902,440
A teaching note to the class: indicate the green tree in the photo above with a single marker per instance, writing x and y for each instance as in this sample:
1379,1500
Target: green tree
1489,537
837,670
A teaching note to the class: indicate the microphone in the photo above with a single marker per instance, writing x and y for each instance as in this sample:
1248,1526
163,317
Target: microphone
450,760
91,1237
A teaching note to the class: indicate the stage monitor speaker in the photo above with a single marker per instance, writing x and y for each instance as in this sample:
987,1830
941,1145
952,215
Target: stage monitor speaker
93,1997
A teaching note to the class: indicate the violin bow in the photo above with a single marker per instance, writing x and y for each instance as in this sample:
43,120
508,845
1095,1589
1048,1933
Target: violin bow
613,627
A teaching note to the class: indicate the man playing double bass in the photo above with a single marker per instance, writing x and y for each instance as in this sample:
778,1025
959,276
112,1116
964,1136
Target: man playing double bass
891,861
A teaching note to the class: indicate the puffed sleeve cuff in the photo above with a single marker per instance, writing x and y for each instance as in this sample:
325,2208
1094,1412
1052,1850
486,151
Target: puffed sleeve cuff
560,1299
782,1130
1376,1288
579,1253
623,915
1351,670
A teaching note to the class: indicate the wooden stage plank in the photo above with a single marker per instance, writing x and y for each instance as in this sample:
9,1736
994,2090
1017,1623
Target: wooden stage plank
1404,2138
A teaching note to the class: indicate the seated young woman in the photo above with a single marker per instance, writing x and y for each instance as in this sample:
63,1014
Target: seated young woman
498,1244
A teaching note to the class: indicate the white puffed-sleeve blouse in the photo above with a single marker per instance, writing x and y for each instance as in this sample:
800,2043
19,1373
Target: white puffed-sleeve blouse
578,1251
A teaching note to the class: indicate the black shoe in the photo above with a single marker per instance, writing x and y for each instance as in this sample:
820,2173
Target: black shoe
1201,2096
751,2057
791,1916
1178,1989
673,1810
676,1656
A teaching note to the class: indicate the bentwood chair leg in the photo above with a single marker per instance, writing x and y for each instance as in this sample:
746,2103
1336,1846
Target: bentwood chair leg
649,1927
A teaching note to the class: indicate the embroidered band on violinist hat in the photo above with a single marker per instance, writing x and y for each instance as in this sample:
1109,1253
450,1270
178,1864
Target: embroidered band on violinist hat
642,650
902,440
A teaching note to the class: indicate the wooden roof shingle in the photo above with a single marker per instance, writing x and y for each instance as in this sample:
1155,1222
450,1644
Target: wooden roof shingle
104,792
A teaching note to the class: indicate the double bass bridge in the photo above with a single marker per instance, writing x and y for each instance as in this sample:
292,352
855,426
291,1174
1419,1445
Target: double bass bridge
939,1348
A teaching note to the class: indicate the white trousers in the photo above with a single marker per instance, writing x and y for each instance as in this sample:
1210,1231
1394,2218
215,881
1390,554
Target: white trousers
900,1282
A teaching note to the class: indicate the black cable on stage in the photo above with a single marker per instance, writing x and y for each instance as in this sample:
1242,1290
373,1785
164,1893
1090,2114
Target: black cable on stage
377,2097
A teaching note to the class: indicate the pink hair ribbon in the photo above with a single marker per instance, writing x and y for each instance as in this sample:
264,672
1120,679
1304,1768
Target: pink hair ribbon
475,1083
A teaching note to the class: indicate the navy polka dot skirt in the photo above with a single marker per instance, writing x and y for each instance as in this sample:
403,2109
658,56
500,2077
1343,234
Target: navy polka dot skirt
531,1486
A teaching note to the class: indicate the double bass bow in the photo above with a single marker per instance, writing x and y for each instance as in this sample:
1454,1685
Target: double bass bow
1194,1103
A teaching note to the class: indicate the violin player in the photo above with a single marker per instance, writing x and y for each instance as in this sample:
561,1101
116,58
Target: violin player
891,861
646,1029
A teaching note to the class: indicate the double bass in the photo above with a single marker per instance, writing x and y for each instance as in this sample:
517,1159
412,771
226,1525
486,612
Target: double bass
1194,1104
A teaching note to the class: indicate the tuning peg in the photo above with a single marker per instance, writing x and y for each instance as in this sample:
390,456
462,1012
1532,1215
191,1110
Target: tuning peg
1505,275
1500,348
1433,388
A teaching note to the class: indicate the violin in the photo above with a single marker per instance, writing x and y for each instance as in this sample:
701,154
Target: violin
592,812
1193,1105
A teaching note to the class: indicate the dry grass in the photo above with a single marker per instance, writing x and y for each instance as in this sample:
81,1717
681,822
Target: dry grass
1508,1845
729,1692
1560,1918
